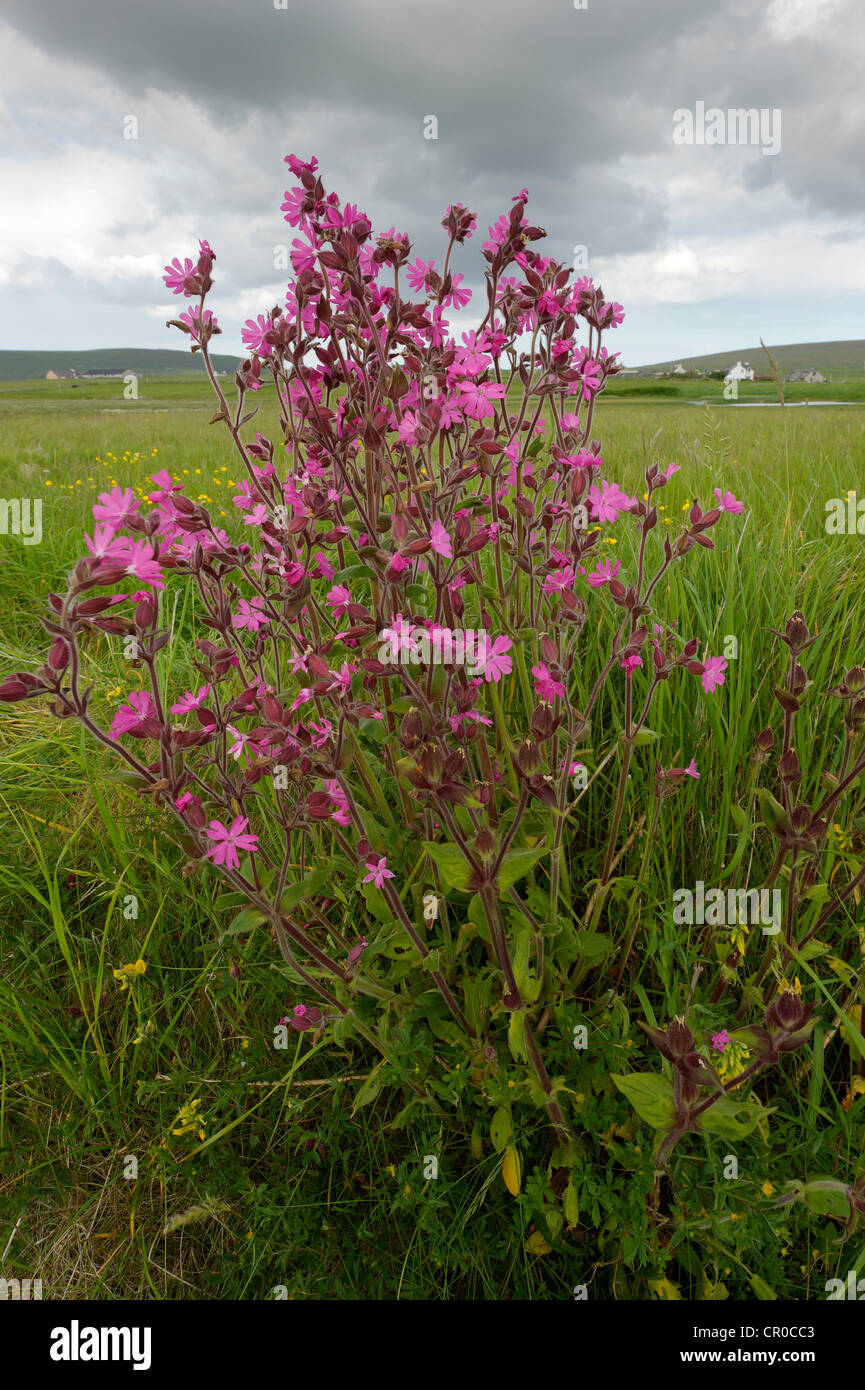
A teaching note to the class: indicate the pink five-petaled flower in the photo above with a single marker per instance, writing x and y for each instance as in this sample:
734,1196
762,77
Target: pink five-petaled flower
546,686
727,502
494,660
691,770
477,397
177,273
253,335
227,841
131,716
440,540
190,701
603,574
713,673
720,1040
339,598
141,564
250,615
378,872
630,663
608,500
116,506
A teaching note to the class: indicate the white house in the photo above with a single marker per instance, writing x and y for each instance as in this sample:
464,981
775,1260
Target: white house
743,371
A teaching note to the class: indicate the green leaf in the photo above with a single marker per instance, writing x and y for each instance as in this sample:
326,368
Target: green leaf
592,945
307,887
451,863
764,1291
354,572
651,1096
515,865
370,1088
721,1119
245,921
501,1129
517,1036
644,737
826,1201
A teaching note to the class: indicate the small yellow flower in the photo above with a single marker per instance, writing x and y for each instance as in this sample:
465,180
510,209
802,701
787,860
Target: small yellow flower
734,1060
128,972
767,1189
189,1119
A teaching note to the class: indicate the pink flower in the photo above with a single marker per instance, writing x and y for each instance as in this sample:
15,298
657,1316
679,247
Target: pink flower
457,298
496,661
165,485
340,802
303,1018
141,564
713,673
339,598
378,872
187,799
177,273
190,701
630,664
603,574
408,427
691,770
130,717
559,580
116,506
253,335
228,841
607,500
720,1040
440,540
419,273
546,686
470,716
105,545
250,615
196,321
478,396
727,502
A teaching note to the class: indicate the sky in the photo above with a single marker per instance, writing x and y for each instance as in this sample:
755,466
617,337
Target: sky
131,128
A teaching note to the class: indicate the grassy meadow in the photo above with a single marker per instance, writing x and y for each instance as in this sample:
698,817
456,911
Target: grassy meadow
152,1142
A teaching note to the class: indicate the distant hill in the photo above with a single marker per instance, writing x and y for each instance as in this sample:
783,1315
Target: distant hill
32,366
835,360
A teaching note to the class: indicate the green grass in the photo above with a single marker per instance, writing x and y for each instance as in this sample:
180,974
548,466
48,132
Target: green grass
287,1188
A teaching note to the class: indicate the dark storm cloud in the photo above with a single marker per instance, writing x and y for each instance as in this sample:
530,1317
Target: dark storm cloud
577,105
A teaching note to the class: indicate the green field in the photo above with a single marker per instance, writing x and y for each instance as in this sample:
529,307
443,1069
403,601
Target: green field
283,1184
839,360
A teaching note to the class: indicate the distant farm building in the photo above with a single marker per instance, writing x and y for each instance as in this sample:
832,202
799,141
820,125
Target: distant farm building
69,375
103,372
679,370
742,371
808,374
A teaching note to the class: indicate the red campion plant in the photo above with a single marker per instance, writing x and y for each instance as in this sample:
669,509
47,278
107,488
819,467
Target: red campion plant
421,486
